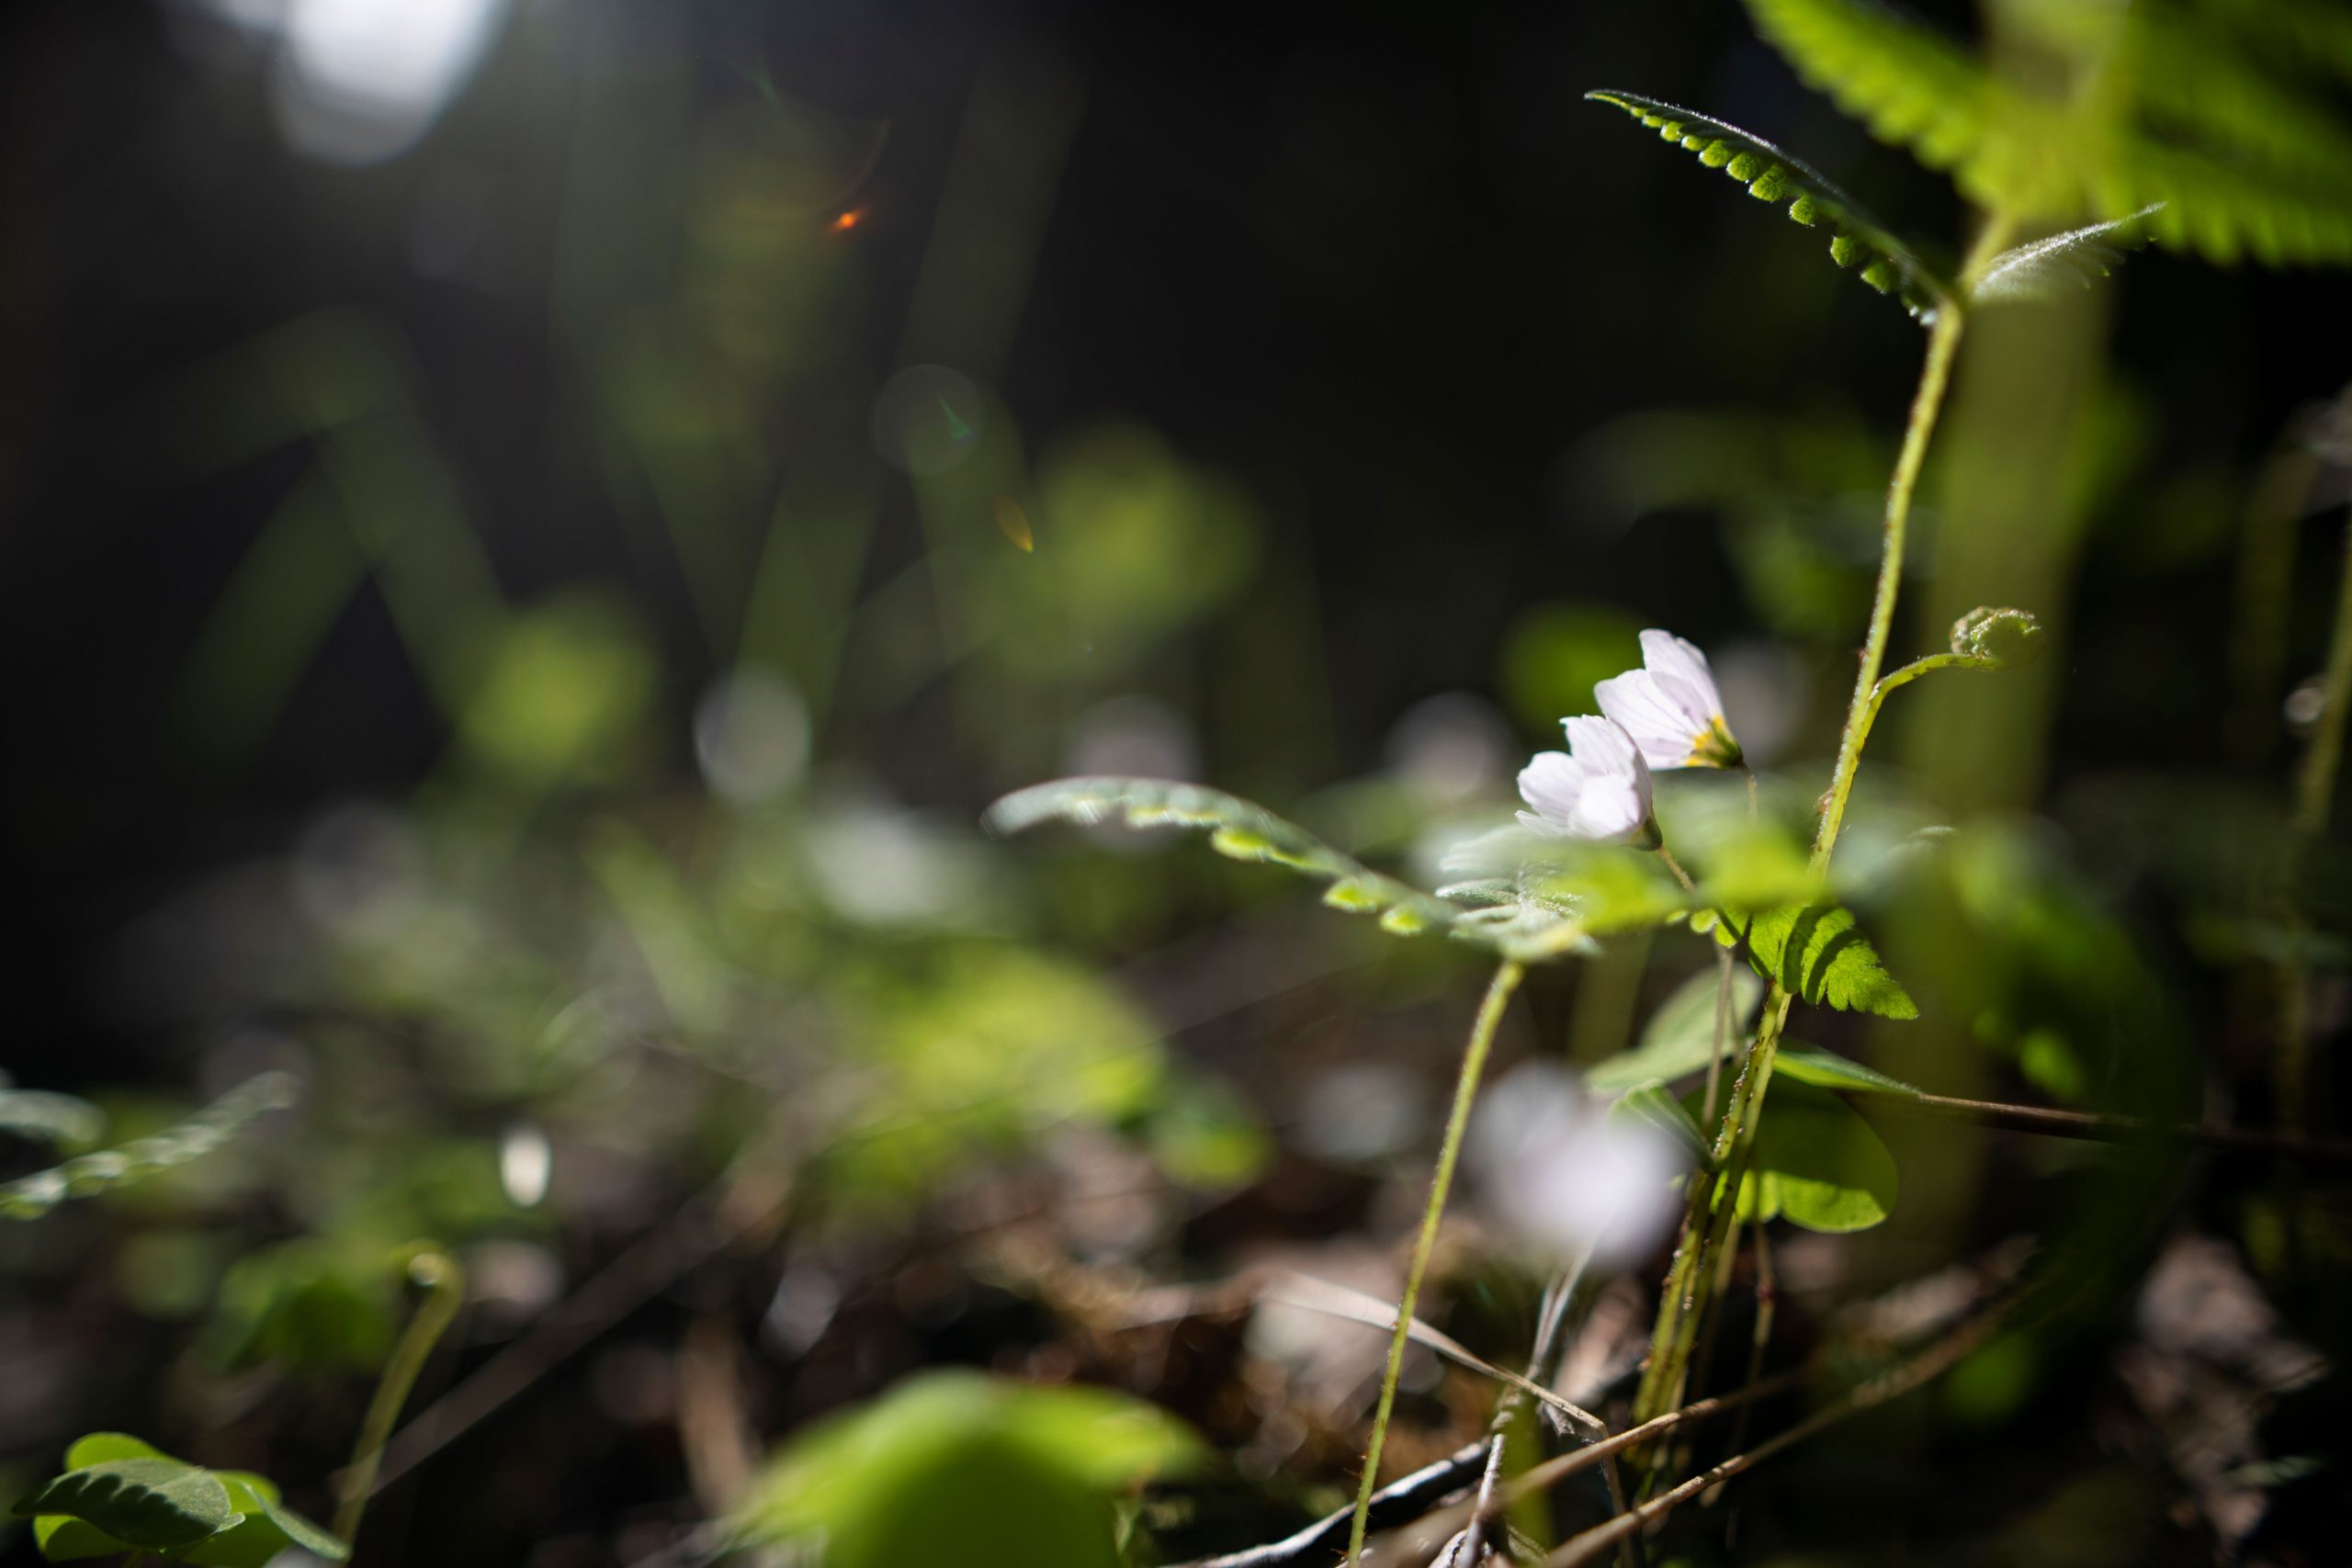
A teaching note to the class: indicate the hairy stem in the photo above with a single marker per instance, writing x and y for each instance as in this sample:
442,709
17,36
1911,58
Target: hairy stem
1707,1220
1927,403
1707,1223
445,1287
1465,1089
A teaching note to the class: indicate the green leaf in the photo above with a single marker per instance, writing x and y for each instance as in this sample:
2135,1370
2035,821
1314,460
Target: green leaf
1652,1103
2036,271
1821,1165
1522,927
1680,1036
2184,119
1826,1069
96,1448
154,1503
260,1526
62,1537
1818,954
267,1529
1770,174
1016,1475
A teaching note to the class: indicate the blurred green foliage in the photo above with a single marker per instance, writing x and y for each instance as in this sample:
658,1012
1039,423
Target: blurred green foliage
679,886
1014,1474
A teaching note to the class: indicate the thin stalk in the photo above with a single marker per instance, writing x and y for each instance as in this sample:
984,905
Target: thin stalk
1715,1204
1465,1089
2316,787
1425,1534
1927,403
445,1287
1706,1220
1927,1364
2130,1131
1551,1317
1858,728
2314,800
1724,961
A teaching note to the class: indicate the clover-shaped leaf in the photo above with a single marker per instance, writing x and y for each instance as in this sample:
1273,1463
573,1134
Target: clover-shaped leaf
153,1502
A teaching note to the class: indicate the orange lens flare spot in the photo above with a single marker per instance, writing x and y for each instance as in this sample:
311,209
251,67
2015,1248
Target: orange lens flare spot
1013,522
847,221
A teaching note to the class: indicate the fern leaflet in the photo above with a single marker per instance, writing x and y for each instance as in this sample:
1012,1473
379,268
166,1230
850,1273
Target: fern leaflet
2033,272
1524,926
2167,113
1888,265
29,1197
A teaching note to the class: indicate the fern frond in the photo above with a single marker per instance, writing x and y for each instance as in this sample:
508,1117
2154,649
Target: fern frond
29,1197
2234,158
1524,927
58,1119
1770,174
2034,271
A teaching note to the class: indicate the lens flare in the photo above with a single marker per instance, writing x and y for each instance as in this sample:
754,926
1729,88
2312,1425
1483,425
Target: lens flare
1013,522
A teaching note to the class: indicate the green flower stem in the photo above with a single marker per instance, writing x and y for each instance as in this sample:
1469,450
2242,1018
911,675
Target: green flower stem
1465,1089
444,1286
1724,965
1935,375
1708,1219
1707,1222
1849,754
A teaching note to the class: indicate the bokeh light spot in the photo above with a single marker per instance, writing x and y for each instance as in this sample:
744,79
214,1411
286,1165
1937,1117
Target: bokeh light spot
928,418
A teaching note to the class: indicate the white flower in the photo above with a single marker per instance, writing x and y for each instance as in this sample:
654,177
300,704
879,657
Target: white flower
1670,706
1598,788
1566,1178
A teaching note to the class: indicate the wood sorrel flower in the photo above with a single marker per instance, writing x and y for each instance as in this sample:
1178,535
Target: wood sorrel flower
1567,1177
1598,788
1670,706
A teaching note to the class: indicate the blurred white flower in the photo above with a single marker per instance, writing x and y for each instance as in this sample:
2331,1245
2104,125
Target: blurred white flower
1598,788
1670,706
1564,1176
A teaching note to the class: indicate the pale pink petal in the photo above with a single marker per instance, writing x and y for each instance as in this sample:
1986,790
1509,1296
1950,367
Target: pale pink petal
1599,743
1551,783
1635,702
1666,654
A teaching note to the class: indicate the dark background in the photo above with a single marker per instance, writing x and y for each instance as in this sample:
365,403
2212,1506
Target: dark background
1381,266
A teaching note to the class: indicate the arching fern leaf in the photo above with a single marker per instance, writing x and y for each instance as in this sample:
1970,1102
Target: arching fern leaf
2167,111
2077,256
1525,926
1888,265
29,1197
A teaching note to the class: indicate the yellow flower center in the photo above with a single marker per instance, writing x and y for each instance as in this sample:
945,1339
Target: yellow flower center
1713,745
